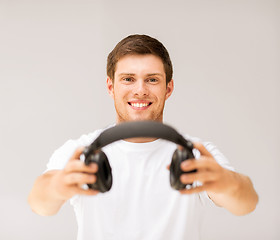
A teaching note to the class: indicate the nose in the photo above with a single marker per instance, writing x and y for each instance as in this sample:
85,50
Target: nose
140,88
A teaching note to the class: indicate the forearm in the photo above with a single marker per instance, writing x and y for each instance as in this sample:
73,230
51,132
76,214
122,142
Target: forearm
42,198
240,197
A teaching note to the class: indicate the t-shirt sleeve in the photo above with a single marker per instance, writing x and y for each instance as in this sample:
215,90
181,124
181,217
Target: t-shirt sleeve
61,156
220,158
216,153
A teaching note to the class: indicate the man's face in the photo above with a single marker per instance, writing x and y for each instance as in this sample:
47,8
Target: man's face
139,89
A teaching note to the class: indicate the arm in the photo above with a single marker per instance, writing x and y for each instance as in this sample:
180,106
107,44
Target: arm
226,188
52,189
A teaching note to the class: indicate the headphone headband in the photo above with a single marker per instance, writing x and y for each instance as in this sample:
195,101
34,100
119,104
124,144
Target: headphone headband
139,129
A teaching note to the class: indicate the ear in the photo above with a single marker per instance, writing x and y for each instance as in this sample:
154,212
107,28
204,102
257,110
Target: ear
110,87
169,89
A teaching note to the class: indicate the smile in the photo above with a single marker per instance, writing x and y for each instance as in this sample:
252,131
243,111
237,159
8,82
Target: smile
139,105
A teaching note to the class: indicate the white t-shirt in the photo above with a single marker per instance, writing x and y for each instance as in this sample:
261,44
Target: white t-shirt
141,204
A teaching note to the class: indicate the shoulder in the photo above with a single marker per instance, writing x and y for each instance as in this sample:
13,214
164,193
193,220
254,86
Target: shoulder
213,149
61,155
83,140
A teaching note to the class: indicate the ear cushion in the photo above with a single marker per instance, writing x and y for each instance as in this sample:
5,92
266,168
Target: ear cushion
104,174
175,168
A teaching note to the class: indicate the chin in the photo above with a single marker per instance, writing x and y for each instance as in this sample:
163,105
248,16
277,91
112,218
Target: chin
143,118
138,117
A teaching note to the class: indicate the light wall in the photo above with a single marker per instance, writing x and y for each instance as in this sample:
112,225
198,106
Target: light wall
52,88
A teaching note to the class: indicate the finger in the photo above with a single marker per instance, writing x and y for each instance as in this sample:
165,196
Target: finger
78,166
180,147
203,163
188,165
193,190
77,153
79,178
89,192
203,151
81,191
202,177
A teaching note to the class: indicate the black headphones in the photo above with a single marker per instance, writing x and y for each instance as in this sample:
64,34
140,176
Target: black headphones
126,130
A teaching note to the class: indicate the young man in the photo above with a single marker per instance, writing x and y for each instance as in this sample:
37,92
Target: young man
141,204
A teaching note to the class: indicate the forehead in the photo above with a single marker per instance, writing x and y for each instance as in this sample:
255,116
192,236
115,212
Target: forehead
139,64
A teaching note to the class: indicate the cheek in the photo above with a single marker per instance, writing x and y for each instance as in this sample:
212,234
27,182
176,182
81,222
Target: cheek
120,95
161,94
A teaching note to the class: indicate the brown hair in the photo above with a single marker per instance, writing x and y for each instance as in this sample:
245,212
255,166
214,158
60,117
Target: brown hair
139,44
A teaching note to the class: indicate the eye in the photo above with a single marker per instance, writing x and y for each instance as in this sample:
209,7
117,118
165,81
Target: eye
127,79
153,80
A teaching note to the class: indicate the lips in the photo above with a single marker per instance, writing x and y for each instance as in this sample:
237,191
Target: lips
139,105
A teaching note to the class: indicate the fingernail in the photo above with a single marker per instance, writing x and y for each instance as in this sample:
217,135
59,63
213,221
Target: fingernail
185,164
94,166
181,178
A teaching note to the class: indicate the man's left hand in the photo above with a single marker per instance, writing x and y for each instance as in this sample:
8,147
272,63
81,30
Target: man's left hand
213,176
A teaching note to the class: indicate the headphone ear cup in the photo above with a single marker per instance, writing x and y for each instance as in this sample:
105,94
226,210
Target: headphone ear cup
175,170
104,177
178,157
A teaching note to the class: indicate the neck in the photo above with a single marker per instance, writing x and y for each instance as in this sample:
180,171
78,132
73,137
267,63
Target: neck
140,140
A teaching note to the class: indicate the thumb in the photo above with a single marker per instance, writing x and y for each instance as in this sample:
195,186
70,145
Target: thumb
168,167
200,147
77,153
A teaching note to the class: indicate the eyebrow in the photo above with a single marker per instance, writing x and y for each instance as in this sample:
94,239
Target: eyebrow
133,74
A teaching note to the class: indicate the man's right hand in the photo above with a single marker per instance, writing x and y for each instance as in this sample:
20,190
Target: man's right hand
52,189
69,181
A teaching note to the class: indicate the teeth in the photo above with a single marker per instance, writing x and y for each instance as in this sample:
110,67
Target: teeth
139,105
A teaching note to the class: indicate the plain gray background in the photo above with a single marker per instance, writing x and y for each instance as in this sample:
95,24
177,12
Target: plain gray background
52,75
